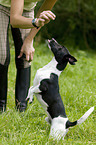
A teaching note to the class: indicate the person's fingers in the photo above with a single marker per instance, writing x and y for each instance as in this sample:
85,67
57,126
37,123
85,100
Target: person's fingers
47,15
52,14
45,18
27,57
31,56
20,55
40,22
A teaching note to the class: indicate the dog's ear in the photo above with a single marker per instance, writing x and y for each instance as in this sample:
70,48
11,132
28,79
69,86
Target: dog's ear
70,124
71,59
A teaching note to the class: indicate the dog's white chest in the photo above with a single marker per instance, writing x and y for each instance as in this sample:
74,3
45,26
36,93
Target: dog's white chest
40,75
45,72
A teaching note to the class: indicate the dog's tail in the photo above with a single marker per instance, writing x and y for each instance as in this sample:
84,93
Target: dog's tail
81,120
84,117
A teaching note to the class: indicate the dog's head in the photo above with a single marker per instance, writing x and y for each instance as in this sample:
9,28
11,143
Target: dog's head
61,54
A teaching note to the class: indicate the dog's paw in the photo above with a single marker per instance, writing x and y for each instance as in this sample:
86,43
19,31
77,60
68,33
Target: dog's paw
31,100
30,96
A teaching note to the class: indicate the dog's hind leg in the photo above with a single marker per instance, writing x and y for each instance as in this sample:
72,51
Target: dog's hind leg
32,91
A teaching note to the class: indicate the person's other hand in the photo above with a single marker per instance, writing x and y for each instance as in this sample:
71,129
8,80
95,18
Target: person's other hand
45,18
27,49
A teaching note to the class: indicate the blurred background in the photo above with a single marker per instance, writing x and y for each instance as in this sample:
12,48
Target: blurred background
75,24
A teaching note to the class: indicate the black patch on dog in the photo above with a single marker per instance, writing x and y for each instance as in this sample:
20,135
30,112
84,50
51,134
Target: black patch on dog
50,94
70,124
61,54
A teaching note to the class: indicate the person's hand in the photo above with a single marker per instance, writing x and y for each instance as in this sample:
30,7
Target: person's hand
45,18
27,49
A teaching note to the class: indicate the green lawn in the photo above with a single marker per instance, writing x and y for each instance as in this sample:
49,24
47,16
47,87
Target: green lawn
78,91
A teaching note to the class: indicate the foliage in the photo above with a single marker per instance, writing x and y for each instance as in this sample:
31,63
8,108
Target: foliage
75,23
77,88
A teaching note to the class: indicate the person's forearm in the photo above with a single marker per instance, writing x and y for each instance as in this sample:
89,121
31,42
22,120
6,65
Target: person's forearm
16,18
21,22
47,5
33,33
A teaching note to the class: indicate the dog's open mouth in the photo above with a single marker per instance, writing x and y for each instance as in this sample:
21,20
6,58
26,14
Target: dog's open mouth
49,44
52,40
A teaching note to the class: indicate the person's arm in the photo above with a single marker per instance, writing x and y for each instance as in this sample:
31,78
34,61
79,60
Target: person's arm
19,21
16,18
44,15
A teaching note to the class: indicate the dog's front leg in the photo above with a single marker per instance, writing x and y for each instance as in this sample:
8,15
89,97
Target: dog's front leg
31,92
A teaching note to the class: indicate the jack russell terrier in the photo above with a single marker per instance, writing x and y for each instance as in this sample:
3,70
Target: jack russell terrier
46,89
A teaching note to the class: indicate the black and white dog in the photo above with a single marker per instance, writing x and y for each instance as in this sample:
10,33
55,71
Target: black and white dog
46,89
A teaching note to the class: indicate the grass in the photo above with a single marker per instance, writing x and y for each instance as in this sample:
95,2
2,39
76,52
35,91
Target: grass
78,91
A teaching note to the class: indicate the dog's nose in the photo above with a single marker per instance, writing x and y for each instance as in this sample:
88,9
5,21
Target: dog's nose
49,40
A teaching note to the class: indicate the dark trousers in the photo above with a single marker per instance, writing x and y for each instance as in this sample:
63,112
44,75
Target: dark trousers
22,77
22,66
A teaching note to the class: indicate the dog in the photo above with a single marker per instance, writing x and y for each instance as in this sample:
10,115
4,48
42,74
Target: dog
46,89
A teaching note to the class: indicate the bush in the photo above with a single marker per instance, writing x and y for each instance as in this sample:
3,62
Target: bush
75,23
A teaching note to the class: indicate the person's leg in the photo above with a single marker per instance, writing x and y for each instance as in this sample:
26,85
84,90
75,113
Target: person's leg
22,86
23,73
4,56
3,87
23,70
